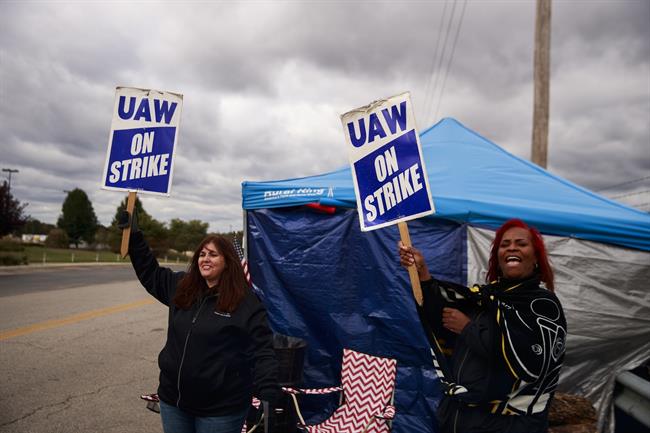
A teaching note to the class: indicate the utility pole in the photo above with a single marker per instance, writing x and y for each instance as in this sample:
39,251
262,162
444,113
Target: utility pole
541,72
10,171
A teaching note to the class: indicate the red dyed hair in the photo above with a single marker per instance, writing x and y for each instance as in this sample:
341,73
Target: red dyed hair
543,264
232,284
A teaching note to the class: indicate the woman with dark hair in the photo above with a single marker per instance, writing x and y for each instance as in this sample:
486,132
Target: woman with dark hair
498,348
218,341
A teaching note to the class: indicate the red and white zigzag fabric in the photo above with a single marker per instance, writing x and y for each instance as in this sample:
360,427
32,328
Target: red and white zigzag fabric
368,384
317,391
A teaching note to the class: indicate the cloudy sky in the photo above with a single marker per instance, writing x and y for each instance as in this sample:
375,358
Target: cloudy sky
264,83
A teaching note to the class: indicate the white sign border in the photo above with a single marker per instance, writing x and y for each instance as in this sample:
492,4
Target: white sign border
137,91
373,107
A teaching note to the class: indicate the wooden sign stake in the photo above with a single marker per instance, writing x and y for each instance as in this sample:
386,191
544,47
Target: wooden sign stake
413,272
126,233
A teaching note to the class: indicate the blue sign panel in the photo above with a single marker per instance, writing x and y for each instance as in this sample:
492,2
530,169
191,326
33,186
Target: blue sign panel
391,182
141,159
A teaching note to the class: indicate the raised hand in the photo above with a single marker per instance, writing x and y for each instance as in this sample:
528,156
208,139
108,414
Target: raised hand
125,220
411,256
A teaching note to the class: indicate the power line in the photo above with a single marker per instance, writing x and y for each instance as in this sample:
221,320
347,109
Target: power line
451,58
432,71
441,58
624,183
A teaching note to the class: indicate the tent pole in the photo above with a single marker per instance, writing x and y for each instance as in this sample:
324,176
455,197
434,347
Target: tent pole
244,237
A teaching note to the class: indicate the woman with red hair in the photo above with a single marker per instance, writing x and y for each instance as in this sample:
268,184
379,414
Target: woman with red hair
498,348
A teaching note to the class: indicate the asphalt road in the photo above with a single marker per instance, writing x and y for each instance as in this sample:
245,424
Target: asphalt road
38,279
78,345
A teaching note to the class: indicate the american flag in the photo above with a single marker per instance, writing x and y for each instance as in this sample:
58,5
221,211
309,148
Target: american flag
244,263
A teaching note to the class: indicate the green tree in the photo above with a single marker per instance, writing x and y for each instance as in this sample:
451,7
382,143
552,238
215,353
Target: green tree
155,232
57,238
11,211
235,236
35,227
78,217
186,236
102,237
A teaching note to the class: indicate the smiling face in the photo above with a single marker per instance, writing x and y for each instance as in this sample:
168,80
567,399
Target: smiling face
516,254
211,264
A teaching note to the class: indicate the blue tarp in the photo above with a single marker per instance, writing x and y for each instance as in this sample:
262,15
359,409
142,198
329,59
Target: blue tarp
324,280
475,181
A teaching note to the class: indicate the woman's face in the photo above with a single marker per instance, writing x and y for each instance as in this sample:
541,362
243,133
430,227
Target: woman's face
516,254
211,264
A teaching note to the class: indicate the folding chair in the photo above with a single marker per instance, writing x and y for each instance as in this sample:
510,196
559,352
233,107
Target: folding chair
366,405
153,402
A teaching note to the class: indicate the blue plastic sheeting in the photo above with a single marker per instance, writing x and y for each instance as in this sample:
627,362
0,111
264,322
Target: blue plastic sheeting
324,280
475,181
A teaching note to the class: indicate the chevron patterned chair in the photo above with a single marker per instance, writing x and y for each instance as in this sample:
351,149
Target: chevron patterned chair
366,405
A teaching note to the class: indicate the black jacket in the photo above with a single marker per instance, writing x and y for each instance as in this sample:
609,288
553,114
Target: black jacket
210,359
507,359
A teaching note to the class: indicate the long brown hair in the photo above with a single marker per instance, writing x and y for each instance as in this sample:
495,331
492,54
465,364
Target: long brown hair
232,284
544,266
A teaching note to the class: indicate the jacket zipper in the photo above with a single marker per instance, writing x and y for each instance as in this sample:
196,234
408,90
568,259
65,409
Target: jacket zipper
460,369
462,363
458,381
187,338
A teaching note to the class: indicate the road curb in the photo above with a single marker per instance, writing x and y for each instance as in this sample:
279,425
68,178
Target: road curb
36,267
26,269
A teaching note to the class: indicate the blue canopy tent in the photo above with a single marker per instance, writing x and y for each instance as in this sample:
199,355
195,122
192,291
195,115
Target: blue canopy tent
475,181
324,280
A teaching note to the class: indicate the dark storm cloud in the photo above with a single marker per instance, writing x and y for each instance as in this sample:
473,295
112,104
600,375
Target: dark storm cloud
601,92
606,24
264,84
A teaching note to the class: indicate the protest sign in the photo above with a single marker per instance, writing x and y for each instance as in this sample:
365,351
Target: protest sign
141,145
390,179
142,141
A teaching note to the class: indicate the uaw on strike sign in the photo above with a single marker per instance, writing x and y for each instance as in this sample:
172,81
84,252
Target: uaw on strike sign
142,141
390,180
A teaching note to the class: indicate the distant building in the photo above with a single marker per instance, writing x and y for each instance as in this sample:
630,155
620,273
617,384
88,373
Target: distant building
34,239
